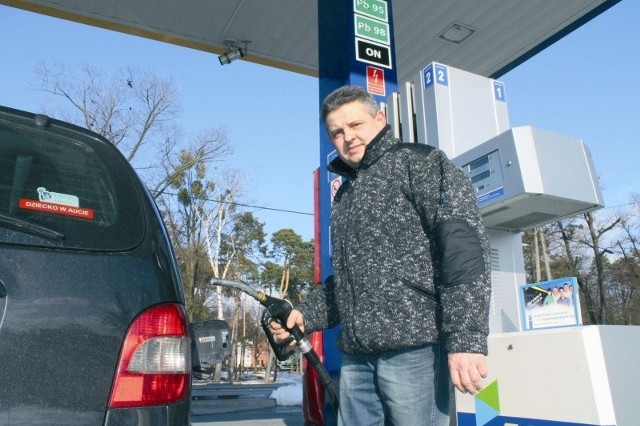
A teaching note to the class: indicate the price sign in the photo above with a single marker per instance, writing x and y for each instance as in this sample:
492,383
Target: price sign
372,29
373,8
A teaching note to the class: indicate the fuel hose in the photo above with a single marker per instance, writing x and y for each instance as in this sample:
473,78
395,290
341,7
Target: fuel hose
279,310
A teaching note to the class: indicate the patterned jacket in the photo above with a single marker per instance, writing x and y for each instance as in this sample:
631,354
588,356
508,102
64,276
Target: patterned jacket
410,255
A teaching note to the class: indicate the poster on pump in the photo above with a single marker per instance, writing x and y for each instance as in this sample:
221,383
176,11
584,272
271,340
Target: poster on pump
550,304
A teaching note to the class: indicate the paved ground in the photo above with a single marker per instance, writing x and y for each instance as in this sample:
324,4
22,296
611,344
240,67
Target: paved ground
236,405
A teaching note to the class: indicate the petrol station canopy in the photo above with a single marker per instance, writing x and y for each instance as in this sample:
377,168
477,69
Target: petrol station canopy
283,33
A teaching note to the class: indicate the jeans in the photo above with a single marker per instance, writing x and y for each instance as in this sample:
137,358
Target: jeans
400,388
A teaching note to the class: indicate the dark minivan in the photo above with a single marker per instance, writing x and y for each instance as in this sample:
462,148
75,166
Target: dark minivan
93,329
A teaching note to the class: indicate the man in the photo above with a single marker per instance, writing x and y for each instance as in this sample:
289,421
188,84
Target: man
562,298
411,281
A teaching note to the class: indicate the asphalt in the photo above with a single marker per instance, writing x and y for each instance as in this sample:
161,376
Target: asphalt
233,405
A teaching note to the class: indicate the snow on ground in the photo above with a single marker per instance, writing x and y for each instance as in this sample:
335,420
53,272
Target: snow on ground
291,392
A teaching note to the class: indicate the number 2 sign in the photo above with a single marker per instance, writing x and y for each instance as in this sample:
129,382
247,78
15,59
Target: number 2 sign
436,73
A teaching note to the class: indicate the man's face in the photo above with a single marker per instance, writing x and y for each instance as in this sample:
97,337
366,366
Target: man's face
351,127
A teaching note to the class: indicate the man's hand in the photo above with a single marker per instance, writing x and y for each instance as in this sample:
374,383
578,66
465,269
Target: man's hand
467,371
280,333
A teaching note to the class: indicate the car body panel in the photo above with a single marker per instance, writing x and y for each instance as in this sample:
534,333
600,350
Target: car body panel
65,309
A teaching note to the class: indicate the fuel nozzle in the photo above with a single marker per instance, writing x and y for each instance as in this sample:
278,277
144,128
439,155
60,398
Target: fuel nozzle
278,310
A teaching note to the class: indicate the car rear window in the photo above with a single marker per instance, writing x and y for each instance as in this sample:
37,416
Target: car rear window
62,187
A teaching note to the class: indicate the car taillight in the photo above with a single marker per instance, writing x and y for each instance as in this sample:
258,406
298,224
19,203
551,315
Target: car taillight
155,362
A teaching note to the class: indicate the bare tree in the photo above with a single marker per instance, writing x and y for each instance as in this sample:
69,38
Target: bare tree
137,111
235,242
538,253
214,221
182,210
128,109
596,242
209,147
625,268
586,246
572,264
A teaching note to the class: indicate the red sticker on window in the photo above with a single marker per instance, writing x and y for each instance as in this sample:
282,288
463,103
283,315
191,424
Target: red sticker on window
61,209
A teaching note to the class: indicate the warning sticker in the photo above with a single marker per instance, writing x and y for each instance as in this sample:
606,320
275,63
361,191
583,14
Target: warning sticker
54,208
375,81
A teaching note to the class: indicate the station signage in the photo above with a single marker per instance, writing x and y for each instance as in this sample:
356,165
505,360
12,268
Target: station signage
372,32
372,53
373,8
375,81
372,29
498,91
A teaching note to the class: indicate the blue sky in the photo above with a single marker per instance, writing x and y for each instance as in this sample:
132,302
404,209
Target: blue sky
584,86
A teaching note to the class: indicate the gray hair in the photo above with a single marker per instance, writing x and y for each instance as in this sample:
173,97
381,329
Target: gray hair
345,95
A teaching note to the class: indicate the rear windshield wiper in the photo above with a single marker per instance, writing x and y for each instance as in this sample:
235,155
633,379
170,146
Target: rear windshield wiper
30,227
